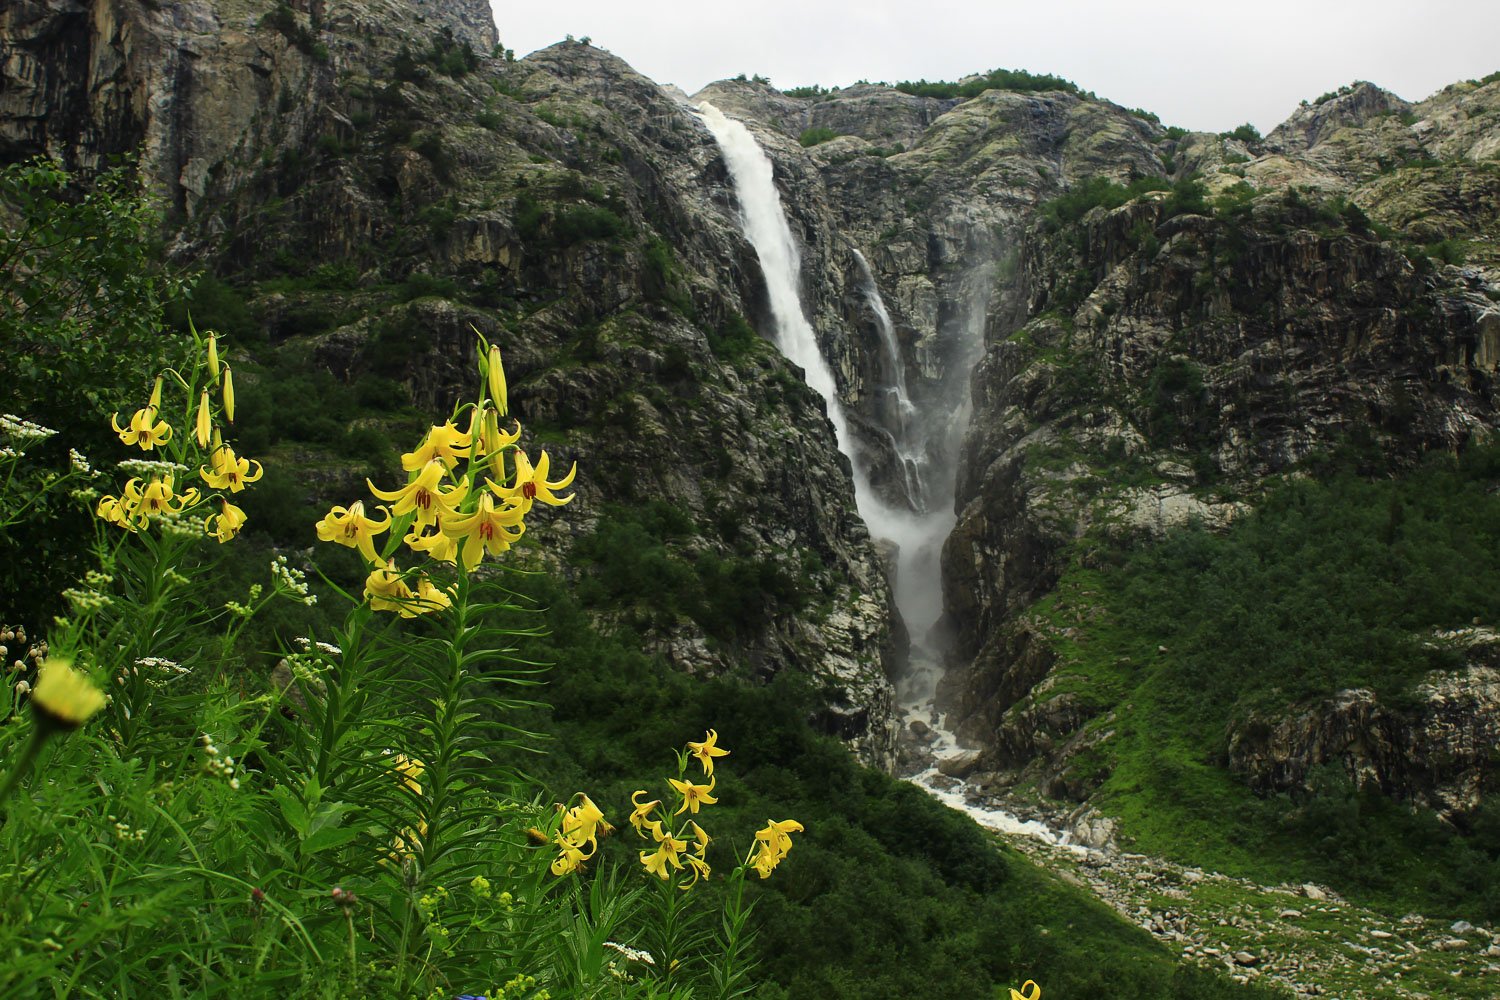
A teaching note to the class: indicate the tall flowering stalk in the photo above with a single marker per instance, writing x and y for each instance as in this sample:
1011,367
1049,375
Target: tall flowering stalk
680,861
468,494
180,487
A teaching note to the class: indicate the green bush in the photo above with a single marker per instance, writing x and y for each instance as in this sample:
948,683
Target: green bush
1245,133
817,135
997,79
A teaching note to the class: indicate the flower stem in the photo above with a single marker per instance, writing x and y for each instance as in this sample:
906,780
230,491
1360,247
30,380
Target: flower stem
33,747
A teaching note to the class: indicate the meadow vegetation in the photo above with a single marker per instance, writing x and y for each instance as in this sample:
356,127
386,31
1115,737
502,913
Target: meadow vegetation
1334,582
234,763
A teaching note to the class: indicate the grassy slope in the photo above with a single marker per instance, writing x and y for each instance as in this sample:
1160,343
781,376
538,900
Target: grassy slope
1329,585
888,894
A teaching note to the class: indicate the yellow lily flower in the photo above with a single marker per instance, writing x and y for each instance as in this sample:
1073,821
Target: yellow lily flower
702,838
144,429
446,444
693,796
226,525
1029,991
569,858
157,498
437,545
427,599
707,751
700,870
116,511
230,472
64,698
485,530
407,771
581,822
642,814
385,589
532,484
424,496
773,844
349,526
406,843
493,441
205,422
667,853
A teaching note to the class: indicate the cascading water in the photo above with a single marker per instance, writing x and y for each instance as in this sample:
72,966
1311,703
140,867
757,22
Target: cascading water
899,414
764,222
763,219
918,532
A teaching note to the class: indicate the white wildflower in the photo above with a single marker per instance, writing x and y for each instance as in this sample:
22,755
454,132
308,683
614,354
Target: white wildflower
23,431
147,468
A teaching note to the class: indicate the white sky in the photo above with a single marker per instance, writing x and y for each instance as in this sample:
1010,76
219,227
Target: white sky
1207,65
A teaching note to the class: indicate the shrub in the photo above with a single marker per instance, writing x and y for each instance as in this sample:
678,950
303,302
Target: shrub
817,135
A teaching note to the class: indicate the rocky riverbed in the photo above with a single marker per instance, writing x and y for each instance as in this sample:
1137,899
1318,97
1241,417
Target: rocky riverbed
1304,938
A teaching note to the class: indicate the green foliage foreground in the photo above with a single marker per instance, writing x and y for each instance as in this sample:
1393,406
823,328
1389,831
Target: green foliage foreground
354,826
355,821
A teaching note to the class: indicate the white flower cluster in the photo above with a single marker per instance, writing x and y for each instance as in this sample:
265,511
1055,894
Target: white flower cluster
324,647
146,467
23,432
291,582
79,463
164,665
631,954
216,764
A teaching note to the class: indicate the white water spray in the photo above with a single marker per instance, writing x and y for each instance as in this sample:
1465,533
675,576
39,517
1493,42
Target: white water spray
907,443
920,536
763,219
764,222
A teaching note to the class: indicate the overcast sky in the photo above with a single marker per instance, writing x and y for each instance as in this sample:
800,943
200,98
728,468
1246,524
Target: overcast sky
1207,65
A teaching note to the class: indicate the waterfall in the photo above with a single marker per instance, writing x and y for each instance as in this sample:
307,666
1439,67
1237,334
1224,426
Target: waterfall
763,220
919,538
933,430
909,446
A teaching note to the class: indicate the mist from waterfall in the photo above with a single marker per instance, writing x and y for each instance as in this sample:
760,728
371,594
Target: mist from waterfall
918,531
897,412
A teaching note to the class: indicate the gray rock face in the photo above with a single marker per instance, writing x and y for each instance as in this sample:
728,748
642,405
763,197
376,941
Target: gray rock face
201,89
1292,340
1311,124
1436,754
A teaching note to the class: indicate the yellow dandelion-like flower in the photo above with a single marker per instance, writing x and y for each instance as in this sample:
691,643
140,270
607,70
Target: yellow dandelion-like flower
64,698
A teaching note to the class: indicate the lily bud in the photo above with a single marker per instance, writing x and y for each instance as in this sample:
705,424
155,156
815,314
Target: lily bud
213,354
155,403
495,372
228,394
205,425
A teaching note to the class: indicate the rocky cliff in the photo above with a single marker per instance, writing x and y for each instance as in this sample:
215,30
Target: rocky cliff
373,177
1160,363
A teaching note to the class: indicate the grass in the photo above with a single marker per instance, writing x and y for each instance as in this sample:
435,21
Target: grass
1329,585
889,893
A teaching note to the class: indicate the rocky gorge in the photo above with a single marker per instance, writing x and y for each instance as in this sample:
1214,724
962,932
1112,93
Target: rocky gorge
1104,330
